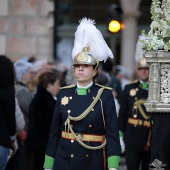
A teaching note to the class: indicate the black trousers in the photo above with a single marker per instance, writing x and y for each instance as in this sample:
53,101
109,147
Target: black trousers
161,138
39,158
136,159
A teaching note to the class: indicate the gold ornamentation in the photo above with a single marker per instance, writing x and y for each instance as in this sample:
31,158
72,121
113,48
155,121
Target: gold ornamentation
64,100
109,88
82,57
139,104
68,87
132,92
82,116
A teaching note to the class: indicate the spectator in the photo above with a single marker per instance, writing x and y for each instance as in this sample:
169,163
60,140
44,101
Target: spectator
41,113
23,95
38,67
13,162
7,110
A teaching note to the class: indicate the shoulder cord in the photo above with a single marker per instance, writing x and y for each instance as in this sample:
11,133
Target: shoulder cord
83,144
83,115
138,104
102,113
87,111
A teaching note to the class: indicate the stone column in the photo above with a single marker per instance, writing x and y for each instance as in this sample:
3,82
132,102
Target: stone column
129,34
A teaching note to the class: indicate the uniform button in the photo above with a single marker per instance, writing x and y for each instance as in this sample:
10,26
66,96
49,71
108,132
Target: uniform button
135,107
136,98
135,116
68,111
92,109
72,155
90,126
93,98
70,97
72,141
87,156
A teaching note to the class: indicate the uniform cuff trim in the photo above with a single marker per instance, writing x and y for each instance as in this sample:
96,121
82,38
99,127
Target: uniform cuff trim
120,133
49,162
113,162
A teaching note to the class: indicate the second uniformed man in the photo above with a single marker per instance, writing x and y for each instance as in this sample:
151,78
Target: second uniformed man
133,120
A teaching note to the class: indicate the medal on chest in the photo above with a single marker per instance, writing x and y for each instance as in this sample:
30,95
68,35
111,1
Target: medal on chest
65,100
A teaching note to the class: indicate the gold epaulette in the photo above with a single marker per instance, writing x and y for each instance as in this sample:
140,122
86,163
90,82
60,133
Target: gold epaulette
68,87
134,81
109,88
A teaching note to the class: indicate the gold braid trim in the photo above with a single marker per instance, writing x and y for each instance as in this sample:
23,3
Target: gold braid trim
68,87
109,88
138,104
87,111
84,145
134,81
83,115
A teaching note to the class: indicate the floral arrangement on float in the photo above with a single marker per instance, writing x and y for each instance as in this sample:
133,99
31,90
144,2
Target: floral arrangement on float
158,38
156,47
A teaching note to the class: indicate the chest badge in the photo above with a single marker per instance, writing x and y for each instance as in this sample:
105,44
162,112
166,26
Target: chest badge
132,92
64,100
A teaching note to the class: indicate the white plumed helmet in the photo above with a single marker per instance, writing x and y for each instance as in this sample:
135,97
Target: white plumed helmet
89,44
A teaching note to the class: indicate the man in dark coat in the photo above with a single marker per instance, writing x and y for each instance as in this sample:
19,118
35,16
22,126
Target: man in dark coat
133,117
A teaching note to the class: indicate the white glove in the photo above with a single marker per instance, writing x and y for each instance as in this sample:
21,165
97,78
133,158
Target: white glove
122,144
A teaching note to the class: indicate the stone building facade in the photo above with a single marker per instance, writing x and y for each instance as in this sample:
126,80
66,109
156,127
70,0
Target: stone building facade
26,28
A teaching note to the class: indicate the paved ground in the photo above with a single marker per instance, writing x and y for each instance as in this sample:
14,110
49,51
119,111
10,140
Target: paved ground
122,164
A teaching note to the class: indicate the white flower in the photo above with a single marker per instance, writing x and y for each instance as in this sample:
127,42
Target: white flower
158,38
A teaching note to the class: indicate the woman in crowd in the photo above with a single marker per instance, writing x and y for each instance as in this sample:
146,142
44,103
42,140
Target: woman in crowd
40,116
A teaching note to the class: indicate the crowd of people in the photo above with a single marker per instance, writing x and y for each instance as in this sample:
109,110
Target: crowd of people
49,121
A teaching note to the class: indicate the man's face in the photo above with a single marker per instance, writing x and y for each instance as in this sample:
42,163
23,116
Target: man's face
143,73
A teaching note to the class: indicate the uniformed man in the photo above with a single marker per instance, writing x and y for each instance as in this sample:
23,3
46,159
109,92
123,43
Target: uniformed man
133,120
84,133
